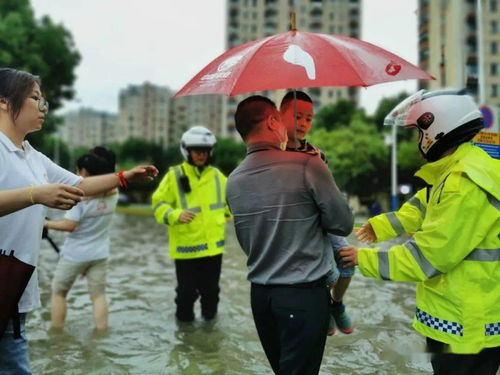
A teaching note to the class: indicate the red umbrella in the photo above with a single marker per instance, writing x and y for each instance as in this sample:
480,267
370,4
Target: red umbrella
300,59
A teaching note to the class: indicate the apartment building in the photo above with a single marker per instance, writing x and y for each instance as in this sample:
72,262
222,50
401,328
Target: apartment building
459,40
87,127
248,20
143,112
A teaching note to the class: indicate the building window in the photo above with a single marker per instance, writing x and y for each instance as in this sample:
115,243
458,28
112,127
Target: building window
494,69
493,48
493,5
494,91
493,26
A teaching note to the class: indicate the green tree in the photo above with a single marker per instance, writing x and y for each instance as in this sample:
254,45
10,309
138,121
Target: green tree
341,113
228,154
357,156
42,48
409,161
383,109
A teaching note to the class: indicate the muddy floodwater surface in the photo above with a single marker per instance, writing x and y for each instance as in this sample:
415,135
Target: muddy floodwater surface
144,337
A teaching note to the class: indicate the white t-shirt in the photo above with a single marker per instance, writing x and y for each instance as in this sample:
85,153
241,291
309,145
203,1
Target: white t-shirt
21,231
90,240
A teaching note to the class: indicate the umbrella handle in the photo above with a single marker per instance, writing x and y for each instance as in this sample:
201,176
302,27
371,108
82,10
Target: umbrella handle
293,21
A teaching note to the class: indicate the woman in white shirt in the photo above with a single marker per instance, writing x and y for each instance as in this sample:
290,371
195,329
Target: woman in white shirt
86,249
30,182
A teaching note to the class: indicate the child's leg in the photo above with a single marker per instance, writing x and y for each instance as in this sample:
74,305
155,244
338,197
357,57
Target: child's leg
340,287
65,275
96,277
338,310
331,278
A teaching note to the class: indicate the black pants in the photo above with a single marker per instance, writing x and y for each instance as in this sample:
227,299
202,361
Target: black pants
197,277
292,322
485,362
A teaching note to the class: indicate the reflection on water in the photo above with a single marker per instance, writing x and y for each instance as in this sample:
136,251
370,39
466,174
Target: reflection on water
144,337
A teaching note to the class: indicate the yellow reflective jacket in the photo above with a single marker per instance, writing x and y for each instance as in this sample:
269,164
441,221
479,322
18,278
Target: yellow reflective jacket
205,234
407,219
455,253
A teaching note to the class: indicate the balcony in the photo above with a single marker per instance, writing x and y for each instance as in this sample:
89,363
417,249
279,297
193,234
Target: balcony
472,85
270,12
316,11
354,12
471,59
471,38
423,37
470,18
317,4
424,28
234,12
271,4
315,25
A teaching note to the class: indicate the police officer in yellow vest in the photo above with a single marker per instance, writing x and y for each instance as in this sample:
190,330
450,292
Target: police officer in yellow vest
454,255
191,201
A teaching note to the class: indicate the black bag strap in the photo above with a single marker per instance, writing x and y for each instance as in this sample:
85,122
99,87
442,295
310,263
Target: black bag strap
16,323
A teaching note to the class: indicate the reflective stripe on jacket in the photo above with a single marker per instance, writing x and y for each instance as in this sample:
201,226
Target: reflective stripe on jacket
205,234
406,220
455,254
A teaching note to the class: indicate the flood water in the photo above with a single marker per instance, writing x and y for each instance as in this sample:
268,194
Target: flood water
144,337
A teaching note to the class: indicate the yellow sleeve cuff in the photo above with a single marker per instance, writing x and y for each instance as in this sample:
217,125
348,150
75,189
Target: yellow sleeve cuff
368,262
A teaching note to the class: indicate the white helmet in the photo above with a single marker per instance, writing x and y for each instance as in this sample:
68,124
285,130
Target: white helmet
197,136
444,119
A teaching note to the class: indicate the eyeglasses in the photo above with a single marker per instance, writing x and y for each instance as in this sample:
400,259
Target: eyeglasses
43,104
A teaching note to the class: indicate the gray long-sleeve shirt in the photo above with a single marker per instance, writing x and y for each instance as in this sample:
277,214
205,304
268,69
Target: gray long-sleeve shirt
283,204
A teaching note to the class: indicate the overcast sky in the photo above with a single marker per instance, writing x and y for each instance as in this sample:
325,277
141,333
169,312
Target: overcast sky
167,42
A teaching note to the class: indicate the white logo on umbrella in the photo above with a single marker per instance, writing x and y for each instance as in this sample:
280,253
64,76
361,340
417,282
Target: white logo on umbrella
297,56
229,63
223,70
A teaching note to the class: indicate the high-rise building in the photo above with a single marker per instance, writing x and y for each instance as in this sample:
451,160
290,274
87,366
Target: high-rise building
188,111
149,112
88,128
144,113
459,40
248,20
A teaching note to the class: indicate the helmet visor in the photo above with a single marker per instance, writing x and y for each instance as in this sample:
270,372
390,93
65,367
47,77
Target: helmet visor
399,115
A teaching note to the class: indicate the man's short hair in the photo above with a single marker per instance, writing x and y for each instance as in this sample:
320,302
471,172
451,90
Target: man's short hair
300,95
251,112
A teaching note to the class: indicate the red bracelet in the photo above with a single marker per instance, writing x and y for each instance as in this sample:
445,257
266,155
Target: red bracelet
121,177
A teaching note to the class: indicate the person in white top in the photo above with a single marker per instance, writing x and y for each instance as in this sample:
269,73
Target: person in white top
30,182
86,249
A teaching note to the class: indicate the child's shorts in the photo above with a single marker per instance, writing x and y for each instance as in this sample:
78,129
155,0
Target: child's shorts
66,273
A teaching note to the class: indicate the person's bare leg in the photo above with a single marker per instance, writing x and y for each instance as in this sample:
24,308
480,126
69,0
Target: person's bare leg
100,306
58,311
339,288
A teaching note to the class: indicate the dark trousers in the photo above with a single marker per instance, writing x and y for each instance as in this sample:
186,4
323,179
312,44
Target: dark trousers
197,277
292,322
485,362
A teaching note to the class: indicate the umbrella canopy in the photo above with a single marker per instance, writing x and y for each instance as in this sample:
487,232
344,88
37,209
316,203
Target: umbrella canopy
300,59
